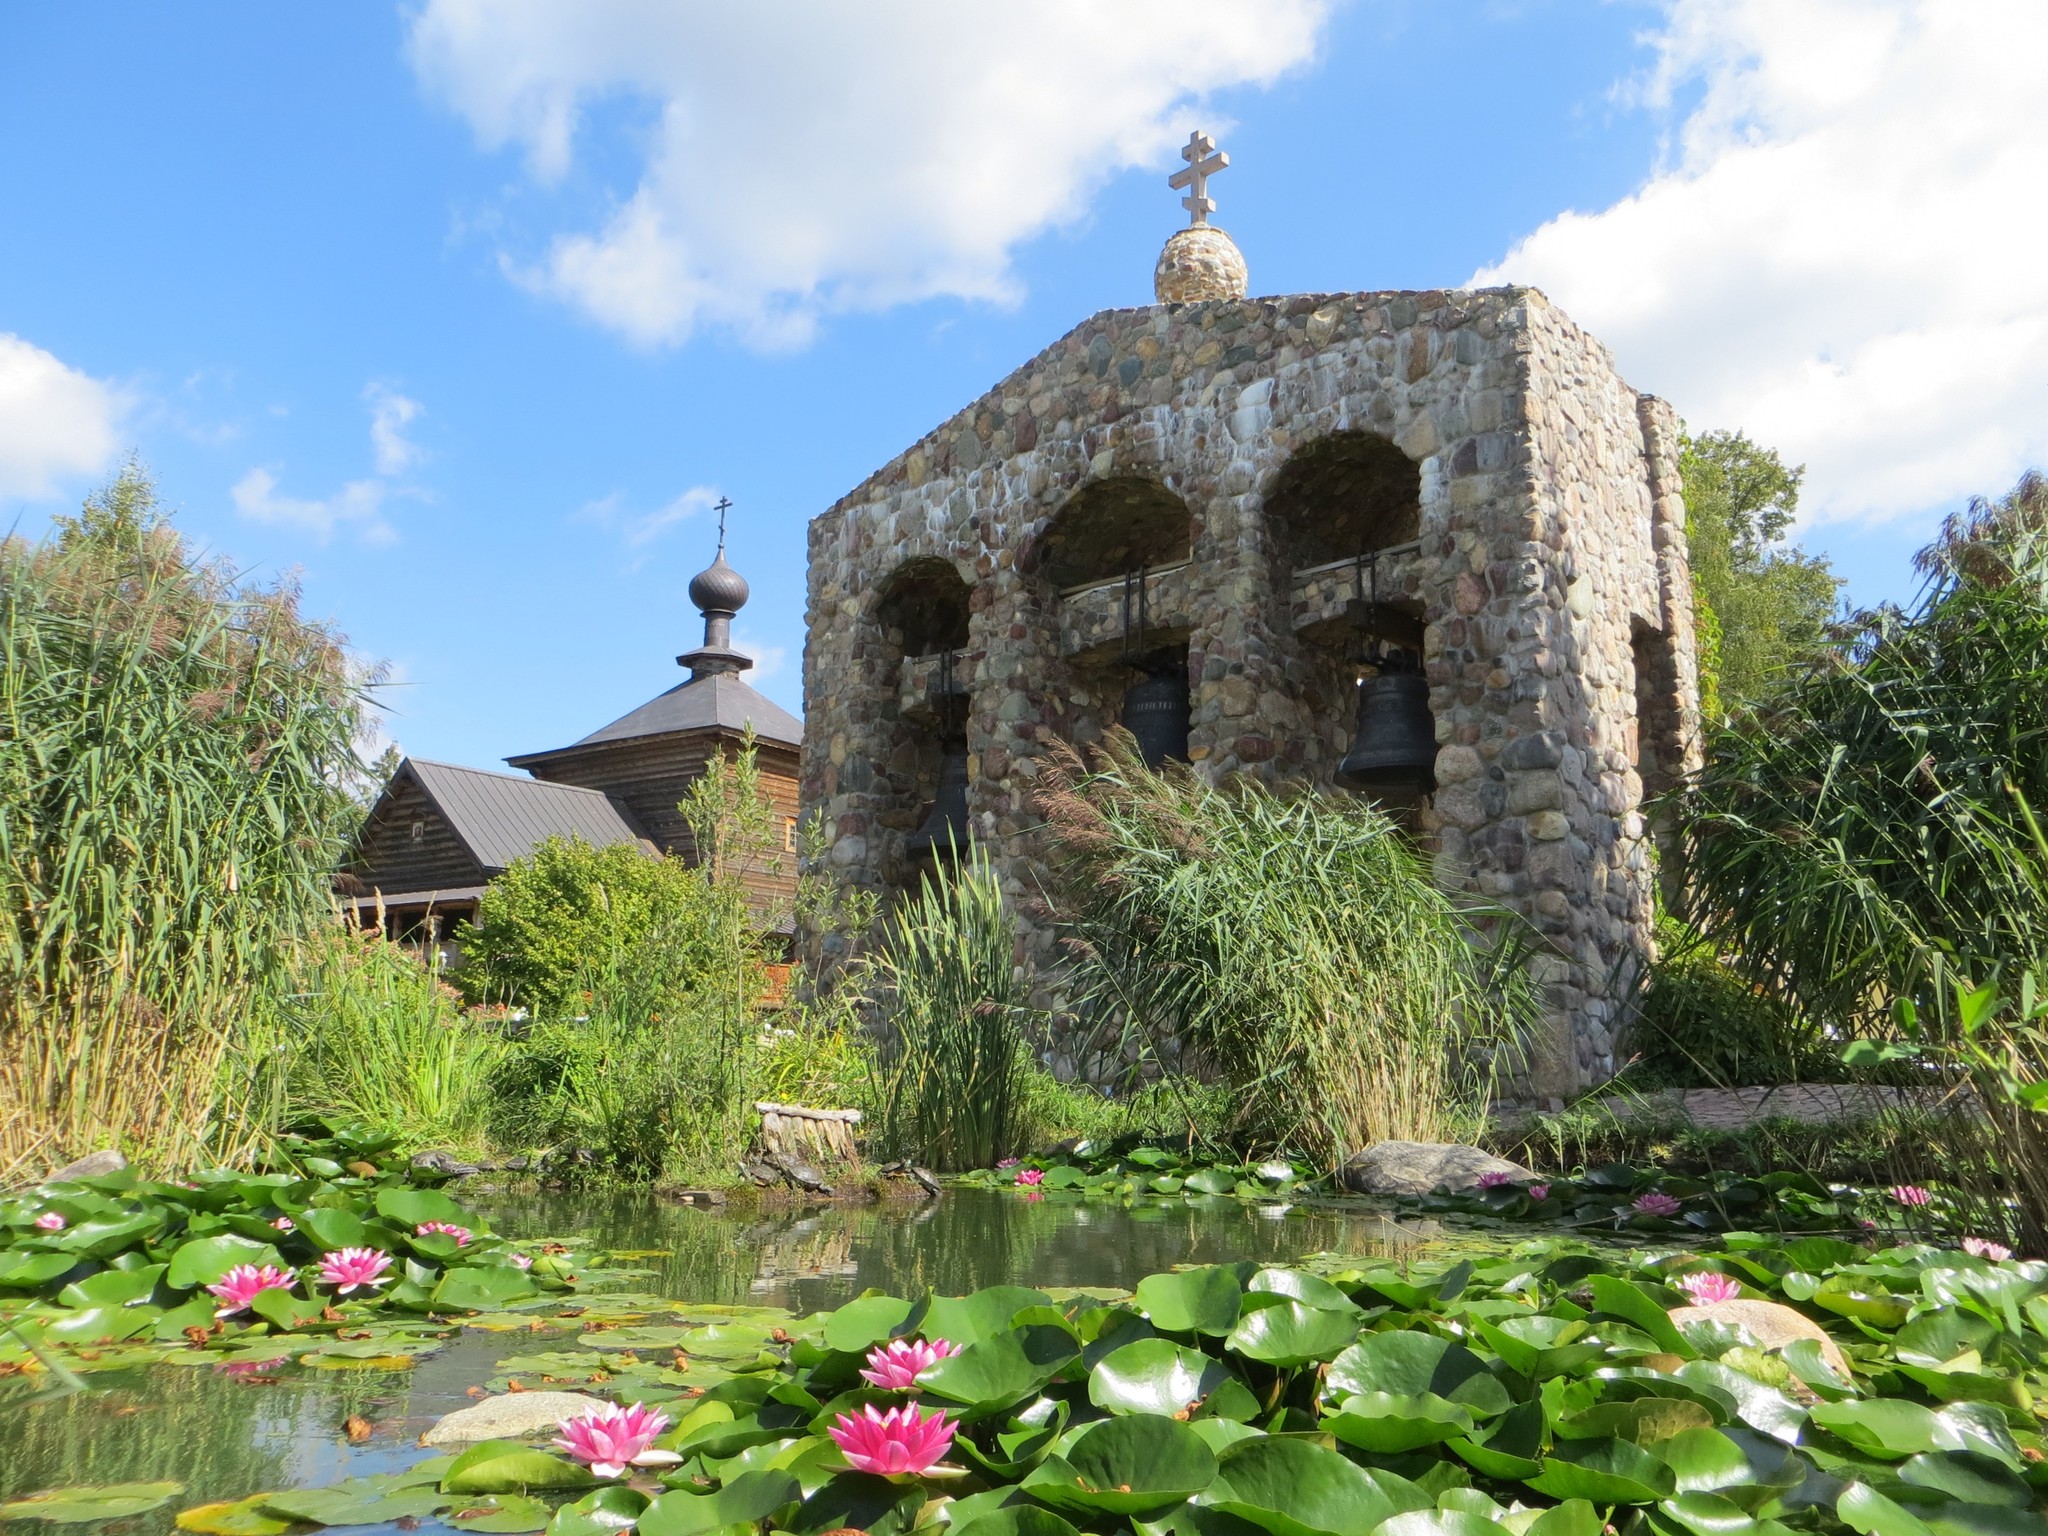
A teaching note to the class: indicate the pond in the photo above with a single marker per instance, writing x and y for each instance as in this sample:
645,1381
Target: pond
226,1434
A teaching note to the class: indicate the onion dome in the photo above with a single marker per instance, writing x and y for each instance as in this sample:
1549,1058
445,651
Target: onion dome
719,588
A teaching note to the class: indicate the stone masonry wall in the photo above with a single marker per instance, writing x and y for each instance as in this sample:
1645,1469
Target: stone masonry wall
1551,558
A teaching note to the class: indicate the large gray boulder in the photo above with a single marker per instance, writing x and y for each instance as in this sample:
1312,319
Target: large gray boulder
513,1416
94,1165
1770,1323
1423,1168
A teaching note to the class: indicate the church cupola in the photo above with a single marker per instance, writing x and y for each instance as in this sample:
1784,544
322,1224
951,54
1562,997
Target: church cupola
719,593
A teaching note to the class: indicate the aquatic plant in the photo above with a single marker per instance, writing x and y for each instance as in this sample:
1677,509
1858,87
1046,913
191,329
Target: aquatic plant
354,1269
446,1229
1707,1288
898,1440
608,1440
241,1285
893,1366
1294,944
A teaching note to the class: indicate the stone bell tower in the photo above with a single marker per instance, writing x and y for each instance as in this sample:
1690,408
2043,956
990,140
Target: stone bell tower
1245,467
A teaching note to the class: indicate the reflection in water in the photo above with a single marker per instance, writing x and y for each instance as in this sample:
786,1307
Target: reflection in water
225,1437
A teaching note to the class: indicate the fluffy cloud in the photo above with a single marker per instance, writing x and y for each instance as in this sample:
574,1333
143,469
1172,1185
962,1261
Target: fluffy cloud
639,529
55,422
358,505
1844,255
390,413
802,159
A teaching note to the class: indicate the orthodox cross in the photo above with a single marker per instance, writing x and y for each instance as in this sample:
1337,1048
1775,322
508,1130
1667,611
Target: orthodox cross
721,507
1204,160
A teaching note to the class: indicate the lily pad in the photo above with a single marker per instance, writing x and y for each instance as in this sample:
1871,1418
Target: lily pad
601,1512
505,1466
1002,1370
1138,1465
237,1517
500,1513
1605,1472
1154,1376
1386,1424
1296,1488
1204,1300
203,1260
748,1498
83,1505
1412,1363
1290,1333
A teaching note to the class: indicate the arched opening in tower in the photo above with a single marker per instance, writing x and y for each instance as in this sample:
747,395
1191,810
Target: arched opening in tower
922,610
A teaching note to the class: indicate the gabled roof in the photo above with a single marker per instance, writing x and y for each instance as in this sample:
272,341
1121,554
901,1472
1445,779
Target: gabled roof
719,702
501,817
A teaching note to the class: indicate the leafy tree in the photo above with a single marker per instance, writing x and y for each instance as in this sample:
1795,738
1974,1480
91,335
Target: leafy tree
568,912
1758,600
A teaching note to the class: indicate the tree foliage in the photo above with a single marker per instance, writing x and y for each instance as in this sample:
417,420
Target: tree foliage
1758,600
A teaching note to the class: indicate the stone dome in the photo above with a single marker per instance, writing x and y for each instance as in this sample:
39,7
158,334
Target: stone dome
1201,262
720,589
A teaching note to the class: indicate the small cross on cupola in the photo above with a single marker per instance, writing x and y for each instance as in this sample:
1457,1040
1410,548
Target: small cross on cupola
1204,160
719,592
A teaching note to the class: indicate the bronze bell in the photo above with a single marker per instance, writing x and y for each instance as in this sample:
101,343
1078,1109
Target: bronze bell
946,828
1156,711
1395,747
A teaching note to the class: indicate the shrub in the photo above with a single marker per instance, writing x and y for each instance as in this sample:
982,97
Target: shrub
568,910
952,1018
376,1036
175,763
1293,942
1700,1023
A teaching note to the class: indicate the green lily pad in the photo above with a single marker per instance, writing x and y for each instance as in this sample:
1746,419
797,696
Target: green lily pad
236,1517
1289,1333
861,1501
1154,1376
505,1466
1386,1423
1887,1427
111,1287
865,1321
600,1512
1017,1520
1864,1509
481,1287
410,1208
1436,1522
965,1320
500,1513
1605,1472
748,1498
203,1260
1296,1488
1204,1300
22,1269
358,1501
1137,1465
1002,1370
1411,1363
85,1504
1309,1290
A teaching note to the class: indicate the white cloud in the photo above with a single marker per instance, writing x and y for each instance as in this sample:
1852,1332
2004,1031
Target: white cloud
56,423
768,659
358,505
1845,254
639,529
805,158
390,413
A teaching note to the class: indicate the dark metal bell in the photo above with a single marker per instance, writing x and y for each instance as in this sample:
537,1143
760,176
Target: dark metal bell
1156,712
946,827
1395,747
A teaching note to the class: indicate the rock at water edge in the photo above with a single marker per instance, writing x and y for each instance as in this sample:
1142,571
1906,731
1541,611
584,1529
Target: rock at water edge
514,1416
1424,1167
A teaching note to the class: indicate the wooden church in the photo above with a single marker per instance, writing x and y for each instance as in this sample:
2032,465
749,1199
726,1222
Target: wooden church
440,833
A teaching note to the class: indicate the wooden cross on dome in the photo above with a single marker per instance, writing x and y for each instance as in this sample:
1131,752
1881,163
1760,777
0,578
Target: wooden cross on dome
1204,160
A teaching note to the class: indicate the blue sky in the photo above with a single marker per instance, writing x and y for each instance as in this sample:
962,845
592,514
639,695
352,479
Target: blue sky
464,310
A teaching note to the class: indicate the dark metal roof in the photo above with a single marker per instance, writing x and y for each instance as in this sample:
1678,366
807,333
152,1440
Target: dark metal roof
501,817
719,702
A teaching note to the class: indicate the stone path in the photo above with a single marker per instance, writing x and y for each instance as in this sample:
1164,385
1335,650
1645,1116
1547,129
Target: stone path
1734,1109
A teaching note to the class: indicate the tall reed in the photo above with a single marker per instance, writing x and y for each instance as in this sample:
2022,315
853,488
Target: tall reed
174,752
1293,943
953,1018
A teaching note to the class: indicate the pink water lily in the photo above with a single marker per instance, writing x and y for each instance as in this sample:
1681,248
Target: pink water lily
350,1269
1707,1288
1539,1191
1493,1178
1984,1248
446,1228
894,1366
610,1439
896,1441
1910,1195
51,1221
238,1287
1030,1177
285,1224
523,1261
1656,1203
1008,1162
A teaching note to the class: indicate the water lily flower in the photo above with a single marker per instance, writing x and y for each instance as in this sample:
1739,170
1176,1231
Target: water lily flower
447,1228
1539,1191
348,1269
1984,1248
238,1287
1910,1194
1493,1178
1008,1162
51,1221
896,1441
1030,1176
610,1439
285,1224
1656,1203
1706,1288
894,1366
523,1261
